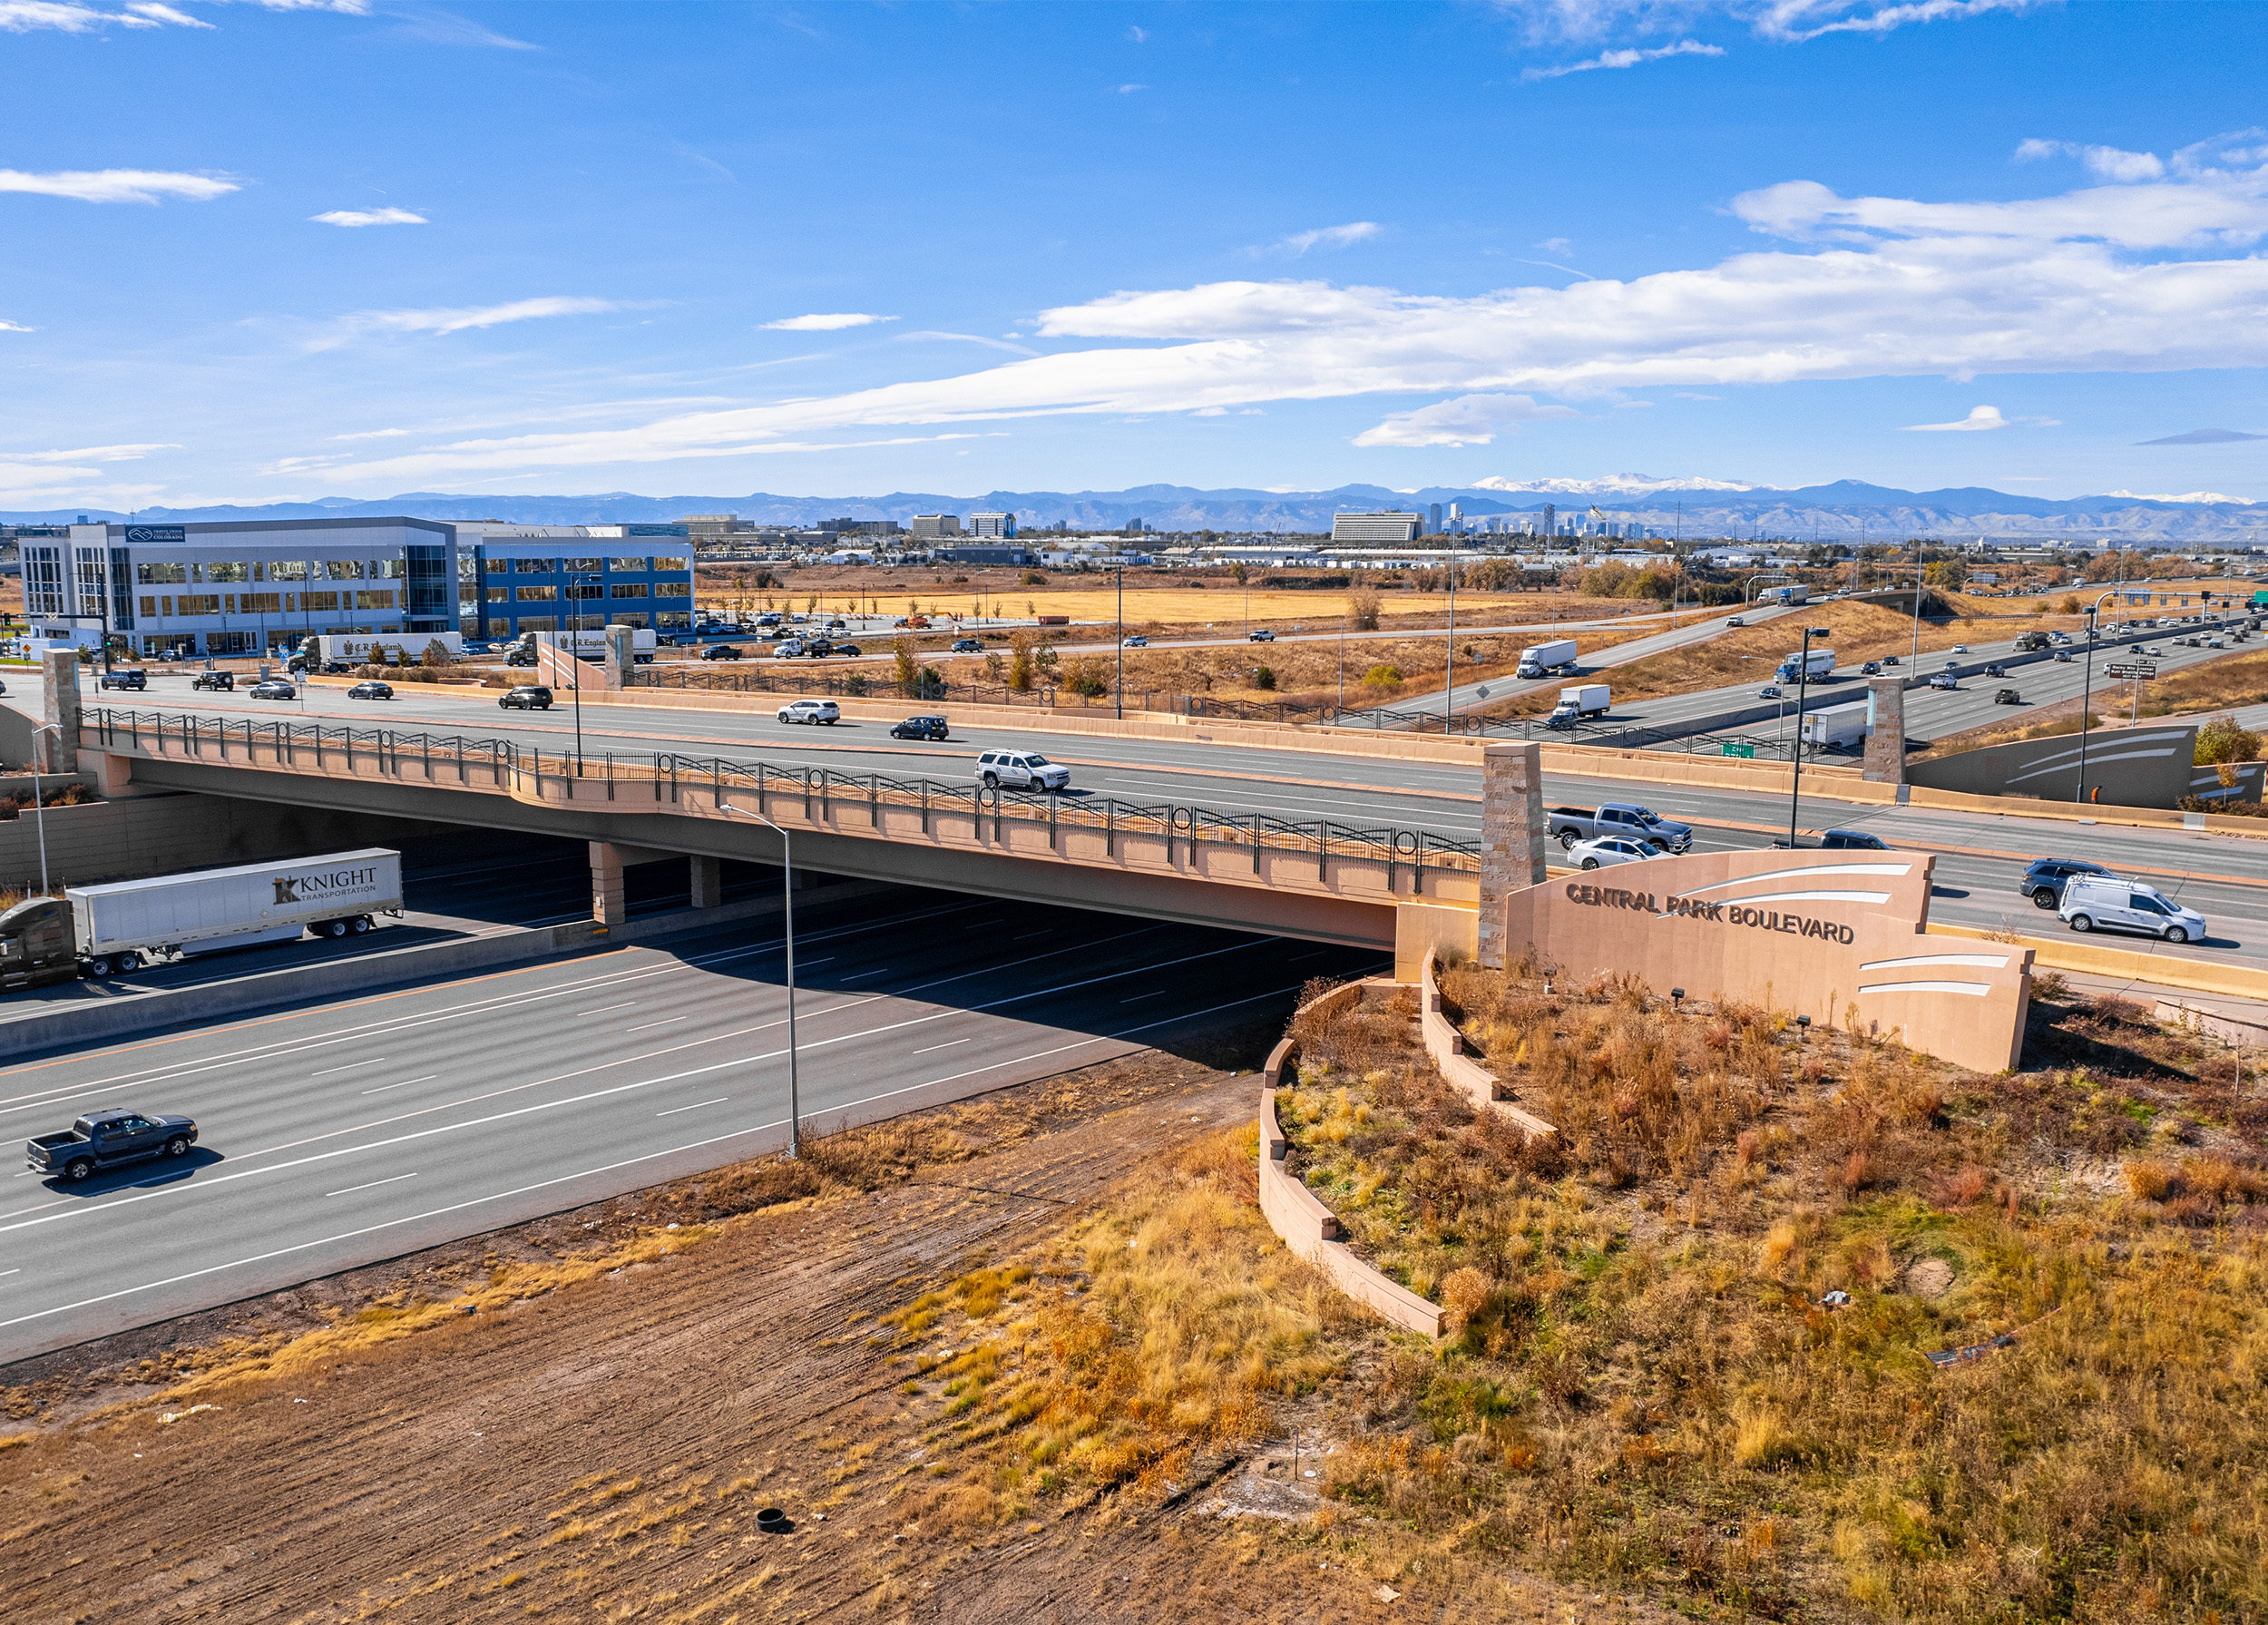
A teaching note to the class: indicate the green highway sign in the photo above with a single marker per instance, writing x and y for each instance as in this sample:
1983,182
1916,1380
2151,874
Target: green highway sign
1739,748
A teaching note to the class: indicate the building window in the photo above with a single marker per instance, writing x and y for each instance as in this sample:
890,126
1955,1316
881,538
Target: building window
621,620
497,567
199,604
535,566
161,575
591,590
680,566
499,595
260,603
630,566
323,603
286,570
586,623
534,594
672,619
527,624
226,570
387,570
586,564
342,570
149,608
374,601
630,589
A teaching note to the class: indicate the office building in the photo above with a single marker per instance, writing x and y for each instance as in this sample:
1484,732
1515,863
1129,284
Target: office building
710,527
1433,520
933,526
995,554
517,578
991,524
1551,520
1375,527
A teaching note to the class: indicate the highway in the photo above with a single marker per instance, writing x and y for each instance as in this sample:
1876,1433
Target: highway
362,1130
2224,876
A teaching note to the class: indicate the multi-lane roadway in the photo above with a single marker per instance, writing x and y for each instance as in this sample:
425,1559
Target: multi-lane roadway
365,1129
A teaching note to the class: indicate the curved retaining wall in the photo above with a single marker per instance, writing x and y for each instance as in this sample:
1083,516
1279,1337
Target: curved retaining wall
1446,1046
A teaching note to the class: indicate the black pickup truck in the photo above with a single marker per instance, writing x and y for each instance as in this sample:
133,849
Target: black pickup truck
107,1139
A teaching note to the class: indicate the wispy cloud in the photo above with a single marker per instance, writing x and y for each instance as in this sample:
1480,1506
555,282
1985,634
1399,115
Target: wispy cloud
372,434
1137,34
1468,420
1979,418
447,28
368,217
1783,21
16,326
1626,58
71,16
91,454
2112,163
1331,237
156,13
824,324
116,186
458,319
1127,90
2200,437
998,343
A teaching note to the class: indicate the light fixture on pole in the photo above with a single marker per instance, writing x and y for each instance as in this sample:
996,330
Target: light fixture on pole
2087,694
39,815
1802,682
1118,692
787,910
1449,691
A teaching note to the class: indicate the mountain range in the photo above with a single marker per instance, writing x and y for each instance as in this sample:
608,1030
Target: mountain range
1844,510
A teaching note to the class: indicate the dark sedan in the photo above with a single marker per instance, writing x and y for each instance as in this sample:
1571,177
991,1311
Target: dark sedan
274,687
371,690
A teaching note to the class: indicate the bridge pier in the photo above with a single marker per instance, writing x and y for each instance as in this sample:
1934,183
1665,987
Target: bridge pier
59,752
1885,758
607,905
1513,832
709,880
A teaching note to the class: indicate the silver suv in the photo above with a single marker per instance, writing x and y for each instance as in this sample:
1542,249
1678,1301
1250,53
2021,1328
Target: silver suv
810,711
1021,770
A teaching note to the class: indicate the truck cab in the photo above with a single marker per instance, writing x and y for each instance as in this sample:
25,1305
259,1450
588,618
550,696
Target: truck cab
37,944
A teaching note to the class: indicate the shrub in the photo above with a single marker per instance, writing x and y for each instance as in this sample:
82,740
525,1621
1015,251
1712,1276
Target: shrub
1362,609
1263,676
1383,678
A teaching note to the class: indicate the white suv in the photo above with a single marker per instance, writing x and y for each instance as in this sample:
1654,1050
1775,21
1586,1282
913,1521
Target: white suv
1021,770
810,711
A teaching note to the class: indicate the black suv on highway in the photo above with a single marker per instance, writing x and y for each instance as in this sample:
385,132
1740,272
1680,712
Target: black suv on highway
220,681
919,728
527,697
130,677
2043,881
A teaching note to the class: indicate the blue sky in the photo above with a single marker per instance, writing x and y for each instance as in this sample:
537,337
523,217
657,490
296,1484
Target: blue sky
580,247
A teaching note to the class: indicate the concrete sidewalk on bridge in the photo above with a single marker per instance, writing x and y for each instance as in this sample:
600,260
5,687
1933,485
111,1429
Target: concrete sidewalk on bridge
110,1012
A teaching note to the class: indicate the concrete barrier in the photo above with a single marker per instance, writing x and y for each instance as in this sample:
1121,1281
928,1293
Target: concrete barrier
1308,1227
2164,969
1446,1048
98,1021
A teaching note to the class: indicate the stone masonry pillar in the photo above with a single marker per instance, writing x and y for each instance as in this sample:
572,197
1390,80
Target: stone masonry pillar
709,881
1513,832
620,656
59,752
1885,758
607,905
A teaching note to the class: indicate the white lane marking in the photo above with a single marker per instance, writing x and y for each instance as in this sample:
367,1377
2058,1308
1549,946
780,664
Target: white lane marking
665,1022
350,1066
1303,959
1137,998
1027,936
696,1106
299,1247
405,1084
215,1182
947,1045
862,976
17,1270
603,1009
373,1185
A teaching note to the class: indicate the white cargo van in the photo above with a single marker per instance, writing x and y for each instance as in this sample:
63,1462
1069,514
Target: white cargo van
2104,901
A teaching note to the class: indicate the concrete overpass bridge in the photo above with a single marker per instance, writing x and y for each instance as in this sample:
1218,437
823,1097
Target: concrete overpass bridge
1374,887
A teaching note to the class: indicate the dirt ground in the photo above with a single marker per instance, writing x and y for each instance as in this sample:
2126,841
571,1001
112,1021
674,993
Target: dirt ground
601,1451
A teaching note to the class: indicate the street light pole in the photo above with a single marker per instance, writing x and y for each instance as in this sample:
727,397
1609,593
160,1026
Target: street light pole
1118,692
1448,691
787,910
39,812
2087,694
1802,683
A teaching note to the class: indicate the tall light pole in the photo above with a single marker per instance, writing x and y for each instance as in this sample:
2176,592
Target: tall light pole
1448,691
1802,682
787,909
39,812
2087,693
1118,692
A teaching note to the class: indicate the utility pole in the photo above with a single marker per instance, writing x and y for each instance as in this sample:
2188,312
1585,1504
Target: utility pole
2087,694
1448,690
1119,688
1802,682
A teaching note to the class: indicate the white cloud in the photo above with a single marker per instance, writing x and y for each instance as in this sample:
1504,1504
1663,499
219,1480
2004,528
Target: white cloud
69,16
458,319
368,217
116,186
1979,417
372,434
1626,58
2111,163
1468,420
16,326
1331,237
997,343
1127,90
1138,35
824,324
2157,277
156,13
1555,244
90,454
1785,20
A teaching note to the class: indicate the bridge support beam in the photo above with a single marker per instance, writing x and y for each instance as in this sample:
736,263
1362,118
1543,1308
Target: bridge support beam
709,880
1512,834
59,752
608,906
1885,758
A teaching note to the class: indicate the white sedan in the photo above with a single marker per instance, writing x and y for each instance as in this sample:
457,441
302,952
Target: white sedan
1607,850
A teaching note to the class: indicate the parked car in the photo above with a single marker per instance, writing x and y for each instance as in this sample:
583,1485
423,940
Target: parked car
109,1139
721,652
2044,880
1608,850
371,690
2091,901
810,711
1569,825
527,697
274,688
1021,770
768,618
125,677
1260,635
966,646
1136,642
219,681
919,728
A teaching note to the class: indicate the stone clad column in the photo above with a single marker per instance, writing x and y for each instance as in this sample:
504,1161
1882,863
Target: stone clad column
1513,832
1885,758
709,881
607,905
621,655
59,752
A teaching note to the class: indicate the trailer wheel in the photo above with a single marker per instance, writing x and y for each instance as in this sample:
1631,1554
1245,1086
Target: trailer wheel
360,924
332,928
128,962
99,968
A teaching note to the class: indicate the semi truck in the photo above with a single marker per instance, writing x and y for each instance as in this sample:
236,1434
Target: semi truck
1584,699
1794,593
592,645
111,930
1837,727
379,649
1540,660
1807,667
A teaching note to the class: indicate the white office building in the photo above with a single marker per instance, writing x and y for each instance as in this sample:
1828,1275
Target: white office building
1375,527
934,526
991,524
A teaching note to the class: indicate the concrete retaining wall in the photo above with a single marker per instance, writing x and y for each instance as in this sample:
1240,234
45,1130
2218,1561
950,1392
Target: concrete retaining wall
2166,967
1446,1046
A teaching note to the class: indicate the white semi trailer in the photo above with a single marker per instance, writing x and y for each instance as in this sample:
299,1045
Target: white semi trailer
367,649
1540,660
1837,727
103,931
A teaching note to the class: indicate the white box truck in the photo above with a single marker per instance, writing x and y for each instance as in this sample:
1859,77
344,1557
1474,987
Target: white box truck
1837,727
1540,660
1808,668
368,649
103,931
592,645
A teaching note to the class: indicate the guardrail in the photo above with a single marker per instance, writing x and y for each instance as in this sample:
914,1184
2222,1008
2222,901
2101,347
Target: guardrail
664,780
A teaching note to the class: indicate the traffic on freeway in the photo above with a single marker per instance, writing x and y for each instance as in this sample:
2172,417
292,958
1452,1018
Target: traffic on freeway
364,1128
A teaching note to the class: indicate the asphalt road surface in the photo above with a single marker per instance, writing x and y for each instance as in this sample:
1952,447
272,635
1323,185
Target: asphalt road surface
363,1130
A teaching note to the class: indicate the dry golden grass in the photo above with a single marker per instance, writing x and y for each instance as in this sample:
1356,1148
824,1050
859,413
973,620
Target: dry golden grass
2214,685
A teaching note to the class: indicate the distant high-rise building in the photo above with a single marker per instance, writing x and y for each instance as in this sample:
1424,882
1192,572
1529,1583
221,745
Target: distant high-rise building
1551,520
710,528
991,524
1456,516
1375,527
933,526
1433,520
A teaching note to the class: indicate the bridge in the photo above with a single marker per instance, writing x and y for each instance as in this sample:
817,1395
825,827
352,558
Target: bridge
1362,885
